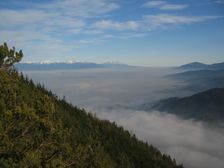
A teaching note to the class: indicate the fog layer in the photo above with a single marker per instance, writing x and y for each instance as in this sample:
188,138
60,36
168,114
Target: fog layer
112,93
102,87
190,142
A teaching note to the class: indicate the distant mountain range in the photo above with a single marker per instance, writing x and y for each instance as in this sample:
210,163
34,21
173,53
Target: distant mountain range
200,80
204,106
61,66
207,81
198,65
198,75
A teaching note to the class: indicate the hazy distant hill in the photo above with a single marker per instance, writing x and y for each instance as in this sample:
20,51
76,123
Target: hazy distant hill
194,65
200,80
64,66
189,75
198,65
205,106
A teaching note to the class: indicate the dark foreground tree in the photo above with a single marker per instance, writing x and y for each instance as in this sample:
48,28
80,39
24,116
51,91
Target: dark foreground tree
9,56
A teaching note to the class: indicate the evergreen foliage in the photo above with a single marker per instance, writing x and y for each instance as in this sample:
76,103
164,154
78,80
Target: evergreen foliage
37,129
9,56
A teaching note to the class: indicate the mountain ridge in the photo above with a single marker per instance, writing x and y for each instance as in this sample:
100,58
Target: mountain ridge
199,65
204,106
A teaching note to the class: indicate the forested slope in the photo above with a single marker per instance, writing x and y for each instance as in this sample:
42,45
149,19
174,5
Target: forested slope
204,106
37,129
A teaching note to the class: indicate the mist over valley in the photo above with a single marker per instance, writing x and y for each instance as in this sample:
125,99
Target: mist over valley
116,94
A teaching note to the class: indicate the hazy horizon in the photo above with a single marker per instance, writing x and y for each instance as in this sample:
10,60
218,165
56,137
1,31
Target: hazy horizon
117,62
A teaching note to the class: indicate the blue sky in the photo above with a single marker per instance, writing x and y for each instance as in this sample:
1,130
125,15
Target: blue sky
137,32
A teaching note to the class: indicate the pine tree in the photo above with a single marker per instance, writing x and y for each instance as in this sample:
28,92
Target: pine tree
8,56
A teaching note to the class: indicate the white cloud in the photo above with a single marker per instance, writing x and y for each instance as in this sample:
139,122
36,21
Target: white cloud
93,31
151,4
22,18
44,27
82,8
173,7
220,1
35,43
90,41
150,22
132,35
164,5
107,24
61,14
168,19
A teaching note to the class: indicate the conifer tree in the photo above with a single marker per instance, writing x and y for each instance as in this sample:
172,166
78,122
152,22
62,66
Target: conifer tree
9,56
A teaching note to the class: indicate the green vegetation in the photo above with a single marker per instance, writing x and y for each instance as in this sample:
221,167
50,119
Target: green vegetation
37,129
9,56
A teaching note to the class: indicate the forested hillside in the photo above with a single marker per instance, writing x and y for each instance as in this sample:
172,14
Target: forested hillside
37,129
204,106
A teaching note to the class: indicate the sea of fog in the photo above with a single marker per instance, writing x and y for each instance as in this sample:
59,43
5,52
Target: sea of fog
113,94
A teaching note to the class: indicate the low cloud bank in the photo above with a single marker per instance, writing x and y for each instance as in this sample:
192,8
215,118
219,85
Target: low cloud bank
191,143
